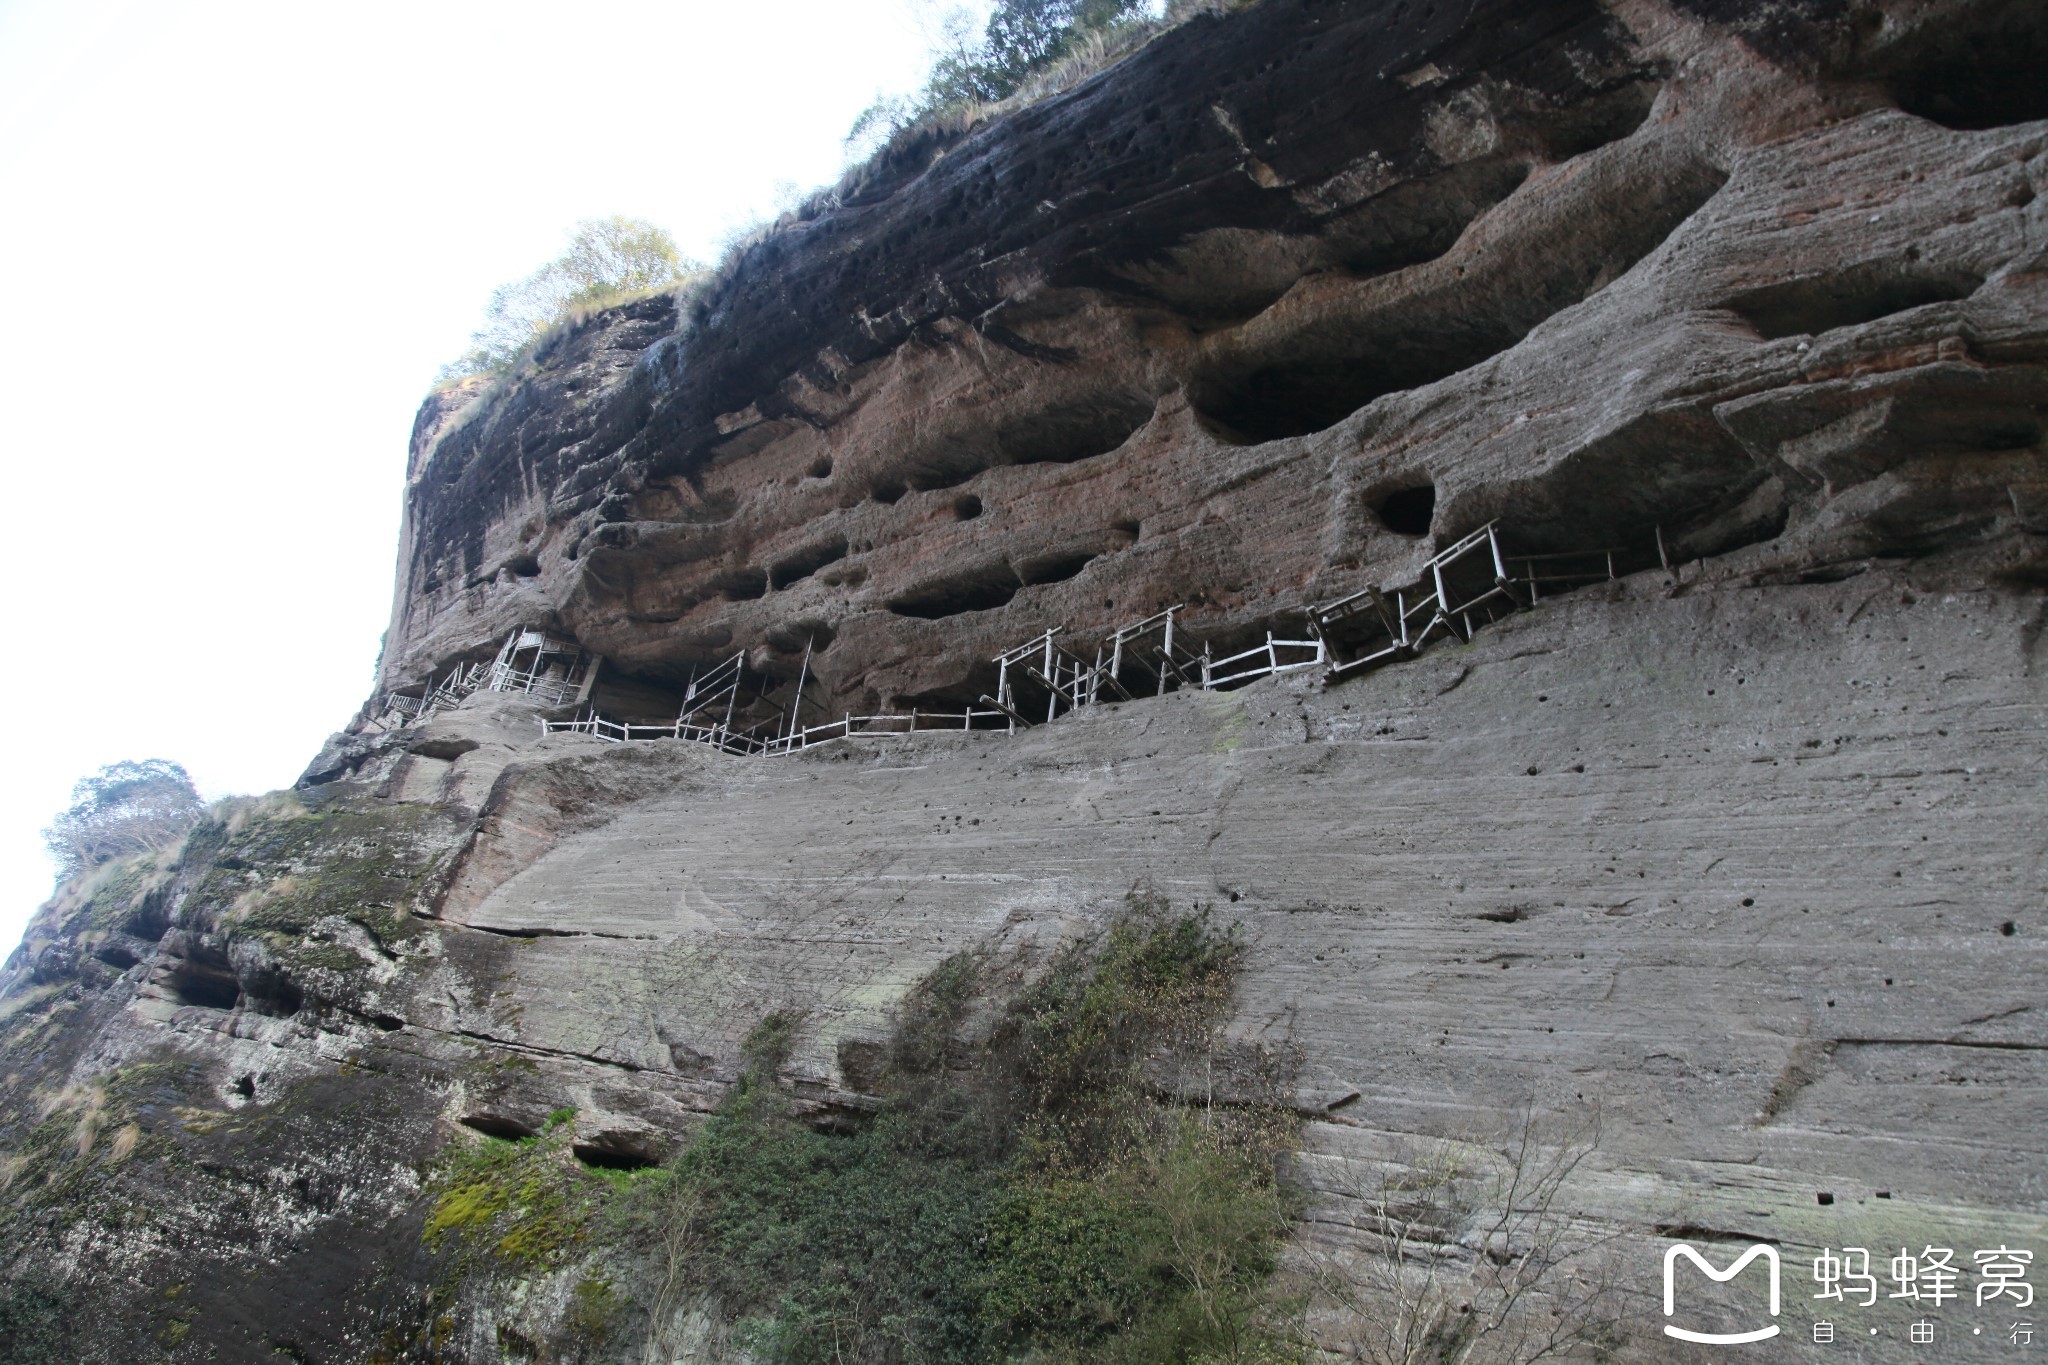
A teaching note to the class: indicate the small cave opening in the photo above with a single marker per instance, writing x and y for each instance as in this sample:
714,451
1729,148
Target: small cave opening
980,589
203,984
1056,567
1407,511
801,564
497,1126
151,917
966,507
1074,432
1421,220
523,566
886,490
949,463
1978,75
1279,401
641,699
820,468
117,955
1848,298
741,585
955,699
794,637
1576,128
607,1158
275,994
1303,387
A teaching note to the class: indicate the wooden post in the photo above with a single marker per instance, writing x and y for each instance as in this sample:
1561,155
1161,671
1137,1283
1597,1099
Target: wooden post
731,699
803,673
1662,557
1052,675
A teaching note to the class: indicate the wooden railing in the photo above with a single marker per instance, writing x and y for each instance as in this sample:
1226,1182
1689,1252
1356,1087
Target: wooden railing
1261,661
1469,583
889,726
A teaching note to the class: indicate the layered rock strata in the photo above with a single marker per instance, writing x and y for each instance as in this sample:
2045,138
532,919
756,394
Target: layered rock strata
1268,312
1743,855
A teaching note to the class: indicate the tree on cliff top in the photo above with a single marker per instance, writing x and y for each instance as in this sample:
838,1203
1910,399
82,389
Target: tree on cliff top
1021,39
609,259
125,807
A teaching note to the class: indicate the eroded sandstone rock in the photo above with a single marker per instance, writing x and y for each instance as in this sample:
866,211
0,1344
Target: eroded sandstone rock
1742,851
1600,275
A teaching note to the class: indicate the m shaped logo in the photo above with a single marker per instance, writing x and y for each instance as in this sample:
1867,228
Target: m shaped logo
1770,1257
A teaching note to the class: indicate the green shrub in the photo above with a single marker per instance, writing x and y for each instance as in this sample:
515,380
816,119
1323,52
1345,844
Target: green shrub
1021,40
1023,1191
842,1245
608,260
1063,1262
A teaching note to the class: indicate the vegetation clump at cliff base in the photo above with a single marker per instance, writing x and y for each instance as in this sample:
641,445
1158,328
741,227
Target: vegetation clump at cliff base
1044,1178
1032,1187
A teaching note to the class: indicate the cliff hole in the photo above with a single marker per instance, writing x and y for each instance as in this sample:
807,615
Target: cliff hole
1224,277
1071,434
1055,567
1848,298
1421,220
274,994
805,562
1065,434
1405,344
954,699
1407,511
741,585
610,1158
203,983
978,589
993,585
1977,76
497,1126
966,507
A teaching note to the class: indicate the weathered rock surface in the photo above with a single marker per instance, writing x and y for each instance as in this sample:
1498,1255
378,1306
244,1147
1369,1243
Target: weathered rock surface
1749,855
1177,337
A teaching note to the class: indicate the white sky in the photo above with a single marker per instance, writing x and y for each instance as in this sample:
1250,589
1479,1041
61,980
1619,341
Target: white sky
236,242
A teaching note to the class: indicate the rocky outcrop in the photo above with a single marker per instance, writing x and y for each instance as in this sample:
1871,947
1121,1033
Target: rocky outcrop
1172,337
1741,852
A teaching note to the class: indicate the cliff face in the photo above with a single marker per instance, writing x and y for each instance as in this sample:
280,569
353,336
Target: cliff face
1179,334
1743,853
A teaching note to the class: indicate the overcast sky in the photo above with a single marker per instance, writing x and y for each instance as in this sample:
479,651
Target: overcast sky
237,240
